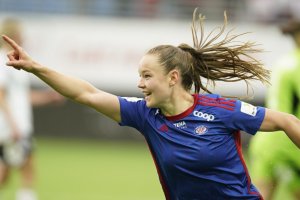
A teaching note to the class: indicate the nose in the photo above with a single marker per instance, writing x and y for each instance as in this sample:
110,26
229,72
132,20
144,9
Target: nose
141,84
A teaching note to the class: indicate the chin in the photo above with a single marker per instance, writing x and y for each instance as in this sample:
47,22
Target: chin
150,104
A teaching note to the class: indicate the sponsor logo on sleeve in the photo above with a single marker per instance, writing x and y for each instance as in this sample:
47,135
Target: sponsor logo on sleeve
248,109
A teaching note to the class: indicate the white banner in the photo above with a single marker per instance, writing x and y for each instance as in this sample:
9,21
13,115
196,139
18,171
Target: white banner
106,51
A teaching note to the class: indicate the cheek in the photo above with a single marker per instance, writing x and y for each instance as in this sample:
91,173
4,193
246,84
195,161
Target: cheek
157,86
161,92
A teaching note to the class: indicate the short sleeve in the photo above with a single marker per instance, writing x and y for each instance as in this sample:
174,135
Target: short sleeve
133,112
244,117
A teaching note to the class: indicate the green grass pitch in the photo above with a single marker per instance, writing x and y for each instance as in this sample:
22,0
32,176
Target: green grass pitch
92,170
69,169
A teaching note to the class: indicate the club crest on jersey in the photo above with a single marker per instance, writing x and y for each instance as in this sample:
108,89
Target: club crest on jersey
200,130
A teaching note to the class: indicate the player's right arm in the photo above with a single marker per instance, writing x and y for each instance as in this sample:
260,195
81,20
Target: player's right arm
73,88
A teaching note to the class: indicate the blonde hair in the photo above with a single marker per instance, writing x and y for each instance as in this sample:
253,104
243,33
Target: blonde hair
226,60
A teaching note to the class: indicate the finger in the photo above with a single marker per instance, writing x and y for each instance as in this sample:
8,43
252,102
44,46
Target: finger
13,64
12,43
11,57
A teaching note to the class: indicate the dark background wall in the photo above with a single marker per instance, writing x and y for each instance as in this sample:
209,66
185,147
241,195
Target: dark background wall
74,120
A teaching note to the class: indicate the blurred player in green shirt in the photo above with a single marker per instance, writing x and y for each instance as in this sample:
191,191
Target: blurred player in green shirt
274,157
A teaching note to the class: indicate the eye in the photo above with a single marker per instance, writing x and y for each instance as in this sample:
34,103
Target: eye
146,76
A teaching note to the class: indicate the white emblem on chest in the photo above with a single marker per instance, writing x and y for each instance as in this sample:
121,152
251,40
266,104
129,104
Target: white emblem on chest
207,117
181,124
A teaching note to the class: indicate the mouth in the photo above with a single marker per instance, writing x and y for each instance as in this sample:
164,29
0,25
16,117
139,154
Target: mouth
147,94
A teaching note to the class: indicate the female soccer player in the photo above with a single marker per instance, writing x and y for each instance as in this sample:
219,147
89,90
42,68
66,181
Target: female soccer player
194,138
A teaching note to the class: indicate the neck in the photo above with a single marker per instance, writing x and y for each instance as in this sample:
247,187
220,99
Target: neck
177,103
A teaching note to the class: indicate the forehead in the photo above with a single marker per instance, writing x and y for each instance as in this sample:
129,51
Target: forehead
149,62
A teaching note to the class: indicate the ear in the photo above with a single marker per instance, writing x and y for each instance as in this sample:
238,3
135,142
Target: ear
174,77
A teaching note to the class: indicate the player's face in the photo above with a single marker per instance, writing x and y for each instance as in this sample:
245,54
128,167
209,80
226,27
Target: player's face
154,82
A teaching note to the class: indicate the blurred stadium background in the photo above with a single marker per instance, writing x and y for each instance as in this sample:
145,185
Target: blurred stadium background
83,155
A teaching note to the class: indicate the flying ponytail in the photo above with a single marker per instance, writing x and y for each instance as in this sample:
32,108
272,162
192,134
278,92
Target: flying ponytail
225,60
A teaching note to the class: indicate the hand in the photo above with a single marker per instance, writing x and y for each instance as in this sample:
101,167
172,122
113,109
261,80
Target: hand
18,58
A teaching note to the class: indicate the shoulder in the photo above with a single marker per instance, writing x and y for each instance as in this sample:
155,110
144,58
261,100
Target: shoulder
131,99
227,108
135,113
217,102
133,104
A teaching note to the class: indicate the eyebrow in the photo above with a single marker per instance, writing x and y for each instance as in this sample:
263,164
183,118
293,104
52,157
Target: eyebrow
144,71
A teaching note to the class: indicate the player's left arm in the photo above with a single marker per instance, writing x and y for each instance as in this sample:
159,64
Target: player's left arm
275,121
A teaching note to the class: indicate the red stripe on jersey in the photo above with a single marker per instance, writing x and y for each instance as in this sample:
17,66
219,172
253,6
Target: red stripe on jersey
229,102
232,100
215,105
162,182
216,102
238,144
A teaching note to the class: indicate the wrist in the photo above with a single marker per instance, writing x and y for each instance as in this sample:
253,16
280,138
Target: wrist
37,68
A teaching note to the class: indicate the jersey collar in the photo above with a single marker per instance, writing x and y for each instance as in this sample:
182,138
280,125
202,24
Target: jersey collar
184,113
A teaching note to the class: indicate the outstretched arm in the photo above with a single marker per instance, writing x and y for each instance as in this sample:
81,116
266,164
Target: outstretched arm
73,88
275,121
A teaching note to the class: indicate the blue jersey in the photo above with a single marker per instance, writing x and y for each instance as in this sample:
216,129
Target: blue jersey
198,153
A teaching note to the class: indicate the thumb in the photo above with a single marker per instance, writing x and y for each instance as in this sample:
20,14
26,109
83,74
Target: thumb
14,64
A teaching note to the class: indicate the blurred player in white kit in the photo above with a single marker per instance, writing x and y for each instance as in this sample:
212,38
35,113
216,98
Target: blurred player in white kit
16,125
